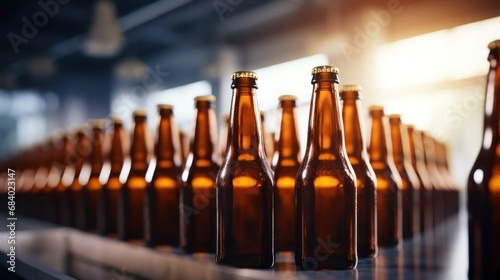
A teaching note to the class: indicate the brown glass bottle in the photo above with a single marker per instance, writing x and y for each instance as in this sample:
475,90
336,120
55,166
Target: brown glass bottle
325,188
286,162
437,182
425,191
47,194
61,190
409,181
163,190
355,146
131,196
244,185
92,189
79,161
107,219
483,186
198,211
389,212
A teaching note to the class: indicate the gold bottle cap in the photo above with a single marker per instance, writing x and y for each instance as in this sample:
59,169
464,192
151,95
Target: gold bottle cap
493,45
394,116
208,97
325,69
287,97
115,120
410,126
96,123
140,113
376,108
351,88
165,107
244,74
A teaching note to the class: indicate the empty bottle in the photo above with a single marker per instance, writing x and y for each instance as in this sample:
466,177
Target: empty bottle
325,188
286,162
244,185
198,211
163,190
389,212
483,186
355,146
131,196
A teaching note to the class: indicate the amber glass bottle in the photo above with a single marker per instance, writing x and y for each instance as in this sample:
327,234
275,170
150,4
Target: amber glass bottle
78,160
483,187
325,188
163,190
47,194
244,185
198,211
286,162
107,220
61,190
425,191
92,189
409,181
437,182
131,196
389,212
355,146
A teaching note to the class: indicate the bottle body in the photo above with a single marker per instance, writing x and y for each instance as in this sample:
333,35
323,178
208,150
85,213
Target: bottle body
107,219
409,180
325,188
244,185
389,215
198,211
161,212
286,164
365,176
483,188
131,195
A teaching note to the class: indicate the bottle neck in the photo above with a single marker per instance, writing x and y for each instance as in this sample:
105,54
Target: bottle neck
353,129
413,151
379,147
96,156
167,146
325,134
116,156
245,128
205,133
288,147
139,150
491,128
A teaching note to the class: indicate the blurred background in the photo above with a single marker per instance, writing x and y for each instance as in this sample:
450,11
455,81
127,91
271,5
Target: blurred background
63,62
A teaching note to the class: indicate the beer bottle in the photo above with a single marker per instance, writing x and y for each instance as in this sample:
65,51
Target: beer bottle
79,158
244,185
47,194
92,189
107,220
389,213
223,136
365,176
483,186
286,162
437,182
131,195
425,191
61,190
325,188
198,212
163,188
409,180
